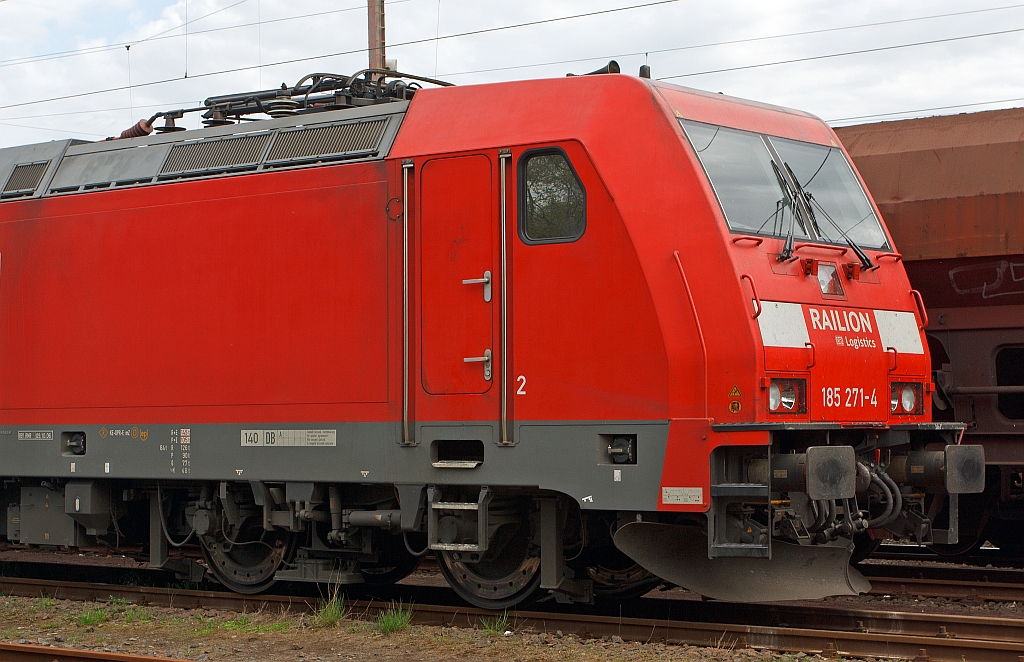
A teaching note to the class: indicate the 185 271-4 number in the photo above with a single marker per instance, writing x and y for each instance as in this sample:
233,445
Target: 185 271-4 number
848,397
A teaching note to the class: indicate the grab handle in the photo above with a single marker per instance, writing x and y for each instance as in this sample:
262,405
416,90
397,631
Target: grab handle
920,307
757,300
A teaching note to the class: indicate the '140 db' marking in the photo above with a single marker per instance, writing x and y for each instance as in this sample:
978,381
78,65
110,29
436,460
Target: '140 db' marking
848,397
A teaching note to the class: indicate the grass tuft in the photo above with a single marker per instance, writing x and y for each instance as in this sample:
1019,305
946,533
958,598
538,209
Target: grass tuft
395,618
330,611
93,616
138,614
497,625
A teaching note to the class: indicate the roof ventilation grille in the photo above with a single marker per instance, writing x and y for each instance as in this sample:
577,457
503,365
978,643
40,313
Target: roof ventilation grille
325,143
24,179
205,157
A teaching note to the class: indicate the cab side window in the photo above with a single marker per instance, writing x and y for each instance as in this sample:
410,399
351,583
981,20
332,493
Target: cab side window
552,201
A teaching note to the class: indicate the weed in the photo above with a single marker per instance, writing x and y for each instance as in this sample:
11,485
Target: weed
118,604
241,624
330,611
42,603
497,625
394,619
93,616
140,614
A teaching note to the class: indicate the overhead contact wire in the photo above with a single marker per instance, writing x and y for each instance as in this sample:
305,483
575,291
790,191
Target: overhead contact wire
350,52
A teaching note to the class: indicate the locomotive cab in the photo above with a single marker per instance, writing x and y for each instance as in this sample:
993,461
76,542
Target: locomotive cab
842,380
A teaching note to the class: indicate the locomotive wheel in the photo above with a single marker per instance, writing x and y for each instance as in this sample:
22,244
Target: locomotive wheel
615,575
502,579
395,562
248,563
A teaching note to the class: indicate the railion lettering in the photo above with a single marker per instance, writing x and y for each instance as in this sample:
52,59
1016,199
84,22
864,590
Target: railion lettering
834,319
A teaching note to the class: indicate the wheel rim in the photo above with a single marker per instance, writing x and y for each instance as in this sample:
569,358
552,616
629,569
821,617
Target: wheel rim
499,581
247,565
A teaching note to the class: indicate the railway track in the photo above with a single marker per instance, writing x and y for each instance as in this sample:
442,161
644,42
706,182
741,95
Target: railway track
32,653
819,630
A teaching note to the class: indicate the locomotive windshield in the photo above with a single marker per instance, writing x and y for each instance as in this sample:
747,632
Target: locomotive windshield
754,177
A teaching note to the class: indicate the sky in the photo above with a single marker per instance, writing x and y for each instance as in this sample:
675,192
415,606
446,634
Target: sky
117,61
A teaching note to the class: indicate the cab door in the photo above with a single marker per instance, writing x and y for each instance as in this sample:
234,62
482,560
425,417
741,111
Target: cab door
457,279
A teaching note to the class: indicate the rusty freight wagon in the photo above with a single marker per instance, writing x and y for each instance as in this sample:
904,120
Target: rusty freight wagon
951,190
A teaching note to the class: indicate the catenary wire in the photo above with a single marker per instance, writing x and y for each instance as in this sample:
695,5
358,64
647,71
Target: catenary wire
109,47
923,110
862,51
163,34
696,46
41,128
349,52
732,42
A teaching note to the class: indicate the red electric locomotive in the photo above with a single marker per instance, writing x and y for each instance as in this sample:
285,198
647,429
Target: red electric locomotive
578,335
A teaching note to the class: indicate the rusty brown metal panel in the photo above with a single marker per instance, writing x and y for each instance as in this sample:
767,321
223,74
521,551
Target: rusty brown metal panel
948,187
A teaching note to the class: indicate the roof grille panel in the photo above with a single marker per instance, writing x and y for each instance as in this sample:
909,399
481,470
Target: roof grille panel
24,179
321,143
209,156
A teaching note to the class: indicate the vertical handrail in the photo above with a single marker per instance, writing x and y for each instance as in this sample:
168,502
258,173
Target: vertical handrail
696,321
407,166
504,156
920,307
756,300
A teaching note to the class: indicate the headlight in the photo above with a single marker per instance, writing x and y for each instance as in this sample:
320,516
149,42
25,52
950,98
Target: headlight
787,396
906,398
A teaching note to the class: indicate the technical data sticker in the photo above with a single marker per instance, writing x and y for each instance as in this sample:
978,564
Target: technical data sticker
289,437
35,435
682,495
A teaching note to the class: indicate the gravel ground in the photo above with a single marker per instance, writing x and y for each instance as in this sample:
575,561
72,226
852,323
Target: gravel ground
204,635
271,637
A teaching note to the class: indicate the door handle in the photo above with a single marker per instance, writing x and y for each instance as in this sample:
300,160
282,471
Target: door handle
485,359
486,281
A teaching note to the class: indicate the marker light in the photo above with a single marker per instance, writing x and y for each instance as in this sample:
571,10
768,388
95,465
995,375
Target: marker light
906,398
787,396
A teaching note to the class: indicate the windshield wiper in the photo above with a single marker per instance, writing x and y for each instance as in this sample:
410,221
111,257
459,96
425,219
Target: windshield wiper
787,201
807,199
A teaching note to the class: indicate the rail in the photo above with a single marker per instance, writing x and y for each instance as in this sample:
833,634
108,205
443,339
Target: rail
33,653
818,630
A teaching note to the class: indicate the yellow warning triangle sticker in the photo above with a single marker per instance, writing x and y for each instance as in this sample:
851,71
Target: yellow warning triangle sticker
735,392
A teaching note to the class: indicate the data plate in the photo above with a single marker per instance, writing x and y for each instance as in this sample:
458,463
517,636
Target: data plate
290,438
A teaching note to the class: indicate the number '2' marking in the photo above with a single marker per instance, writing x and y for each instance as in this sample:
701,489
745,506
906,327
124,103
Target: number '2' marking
522,385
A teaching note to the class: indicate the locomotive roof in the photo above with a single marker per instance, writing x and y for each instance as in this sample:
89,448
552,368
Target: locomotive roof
502,113
71,166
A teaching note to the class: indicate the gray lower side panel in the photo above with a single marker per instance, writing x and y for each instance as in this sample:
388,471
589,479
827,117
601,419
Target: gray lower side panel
568,457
